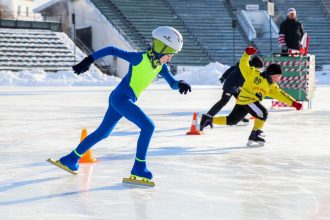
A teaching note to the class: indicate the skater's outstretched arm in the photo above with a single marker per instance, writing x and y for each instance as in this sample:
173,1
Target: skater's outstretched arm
175,84
277,93
244,64
132,57
166,74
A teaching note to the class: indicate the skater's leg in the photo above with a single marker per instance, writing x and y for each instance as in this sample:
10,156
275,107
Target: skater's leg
134,114
257,110
220,104
215,108
236,115
110,119
245,120
260,112
233,118
258,124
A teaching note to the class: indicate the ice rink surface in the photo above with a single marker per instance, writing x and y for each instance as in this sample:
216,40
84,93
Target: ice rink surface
213,176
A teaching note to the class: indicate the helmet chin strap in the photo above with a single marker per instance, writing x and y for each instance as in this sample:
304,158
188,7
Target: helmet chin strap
153,58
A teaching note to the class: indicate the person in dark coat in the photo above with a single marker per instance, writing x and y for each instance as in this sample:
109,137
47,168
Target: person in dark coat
291,32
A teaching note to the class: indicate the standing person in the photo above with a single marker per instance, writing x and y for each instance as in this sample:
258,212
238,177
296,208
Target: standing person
257,85
233,81
143,69
291,32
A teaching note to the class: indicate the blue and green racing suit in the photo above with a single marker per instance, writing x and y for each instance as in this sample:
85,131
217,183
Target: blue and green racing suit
122,99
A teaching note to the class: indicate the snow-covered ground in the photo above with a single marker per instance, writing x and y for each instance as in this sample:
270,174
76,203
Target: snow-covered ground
213,176
208,75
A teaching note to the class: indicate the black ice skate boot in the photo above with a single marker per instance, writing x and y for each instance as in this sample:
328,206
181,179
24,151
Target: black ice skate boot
255,139
245,120
207,120
202,121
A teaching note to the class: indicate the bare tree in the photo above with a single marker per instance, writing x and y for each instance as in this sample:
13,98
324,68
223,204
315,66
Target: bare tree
4,11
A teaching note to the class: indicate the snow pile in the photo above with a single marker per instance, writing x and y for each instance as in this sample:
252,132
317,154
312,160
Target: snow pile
322,77
208,75
60,78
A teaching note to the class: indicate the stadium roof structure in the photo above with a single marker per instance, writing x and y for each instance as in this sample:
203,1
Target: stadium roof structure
46,5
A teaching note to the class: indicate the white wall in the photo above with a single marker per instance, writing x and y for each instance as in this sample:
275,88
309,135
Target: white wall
104,34
26,7
7,3
260,21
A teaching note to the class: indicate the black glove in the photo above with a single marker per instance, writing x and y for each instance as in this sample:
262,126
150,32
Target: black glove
83,66
221,80
284,48
184,87
284,51
259,96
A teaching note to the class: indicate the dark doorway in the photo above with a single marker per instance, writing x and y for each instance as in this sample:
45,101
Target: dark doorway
85,36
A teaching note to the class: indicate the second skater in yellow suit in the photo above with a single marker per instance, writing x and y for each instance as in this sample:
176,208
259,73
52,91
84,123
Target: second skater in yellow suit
256,87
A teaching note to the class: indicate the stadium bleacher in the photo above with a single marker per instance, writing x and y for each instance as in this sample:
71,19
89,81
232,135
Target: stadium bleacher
206,27
32,49
137,19
313,17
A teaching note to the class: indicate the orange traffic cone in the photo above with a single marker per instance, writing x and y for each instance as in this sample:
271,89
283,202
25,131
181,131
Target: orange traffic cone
193,129
88,156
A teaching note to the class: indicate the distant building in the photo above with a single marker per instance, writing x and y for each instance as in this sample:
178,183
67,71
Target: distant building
82,21
19,9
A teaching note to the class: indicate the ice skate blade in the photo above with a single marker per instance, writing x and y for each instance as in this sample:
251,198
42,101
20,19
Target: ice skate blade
138,181
241,124
255,144
60,165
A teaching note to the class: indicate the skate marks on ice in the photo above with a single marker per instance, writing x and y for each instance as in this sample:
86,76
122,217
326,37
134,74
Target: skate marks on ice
176,151
9,185
41,185
34,199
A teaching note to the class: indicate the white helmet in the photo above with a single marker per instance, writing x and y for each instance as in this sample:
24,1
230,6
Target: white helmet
166,40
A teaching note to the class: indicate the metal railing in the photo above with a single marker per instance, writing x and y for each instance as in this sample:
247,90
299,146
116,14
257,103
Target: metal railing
325,8
232,10
115,25
190,32
14,19
103,66
23,24
246,25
